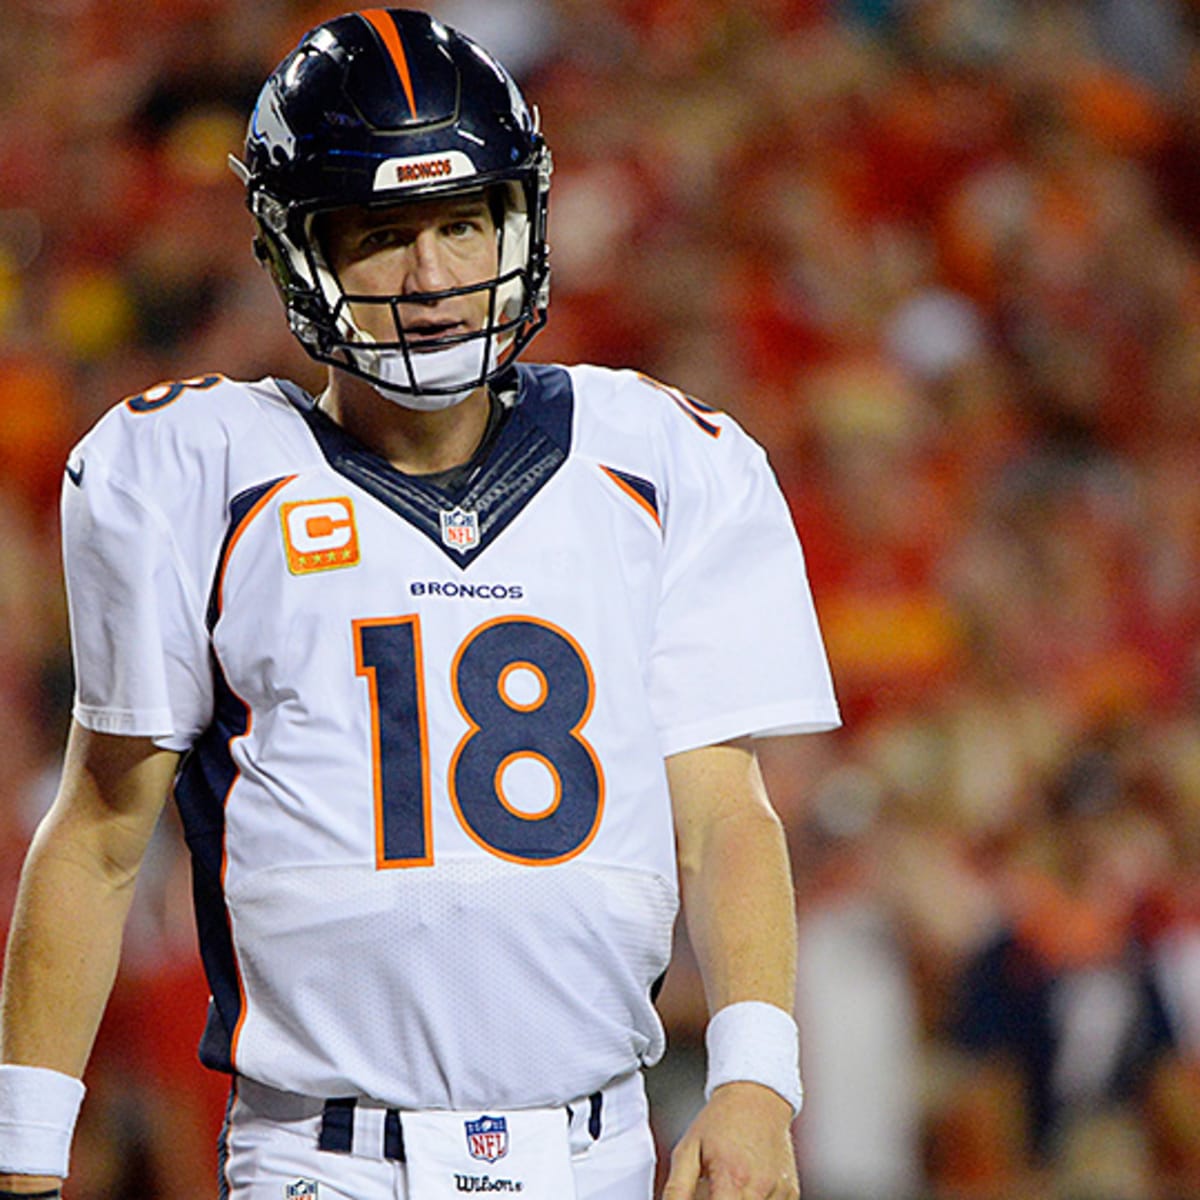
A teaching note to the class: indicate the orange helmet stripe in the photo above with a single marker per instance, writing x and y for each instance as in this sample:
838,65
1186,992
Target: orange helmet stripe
386,28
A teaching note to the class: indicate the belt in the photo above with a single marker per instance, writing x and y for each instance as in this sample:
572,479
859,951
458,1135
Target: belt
336,1131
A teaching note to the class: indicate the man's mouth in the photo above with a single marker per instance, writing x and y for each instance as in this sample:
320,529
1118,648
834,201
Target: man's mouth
432,330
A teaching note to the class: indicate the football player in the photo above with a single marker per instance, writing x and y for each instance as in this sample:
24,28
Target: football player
453,671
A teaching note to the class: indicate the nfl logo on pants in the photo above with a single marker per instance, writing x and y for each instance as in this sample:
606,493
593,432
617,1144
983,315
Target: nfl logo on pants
487,1138
302,1189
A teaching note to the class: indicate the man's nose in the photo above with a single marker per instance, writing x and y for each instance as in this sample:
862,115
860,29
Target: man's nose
427,267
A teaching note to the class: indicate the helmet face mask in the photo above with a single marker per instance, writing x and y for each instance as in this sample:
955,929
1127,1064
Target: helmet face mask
375,110
423,364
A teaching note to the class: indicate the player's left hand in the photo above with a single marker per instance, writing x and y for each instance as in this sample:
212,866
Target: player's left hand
739,1147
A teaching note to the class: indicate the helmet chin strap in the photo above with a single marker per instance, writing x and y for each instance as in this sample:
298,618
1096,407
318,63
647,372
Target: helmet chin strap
395,377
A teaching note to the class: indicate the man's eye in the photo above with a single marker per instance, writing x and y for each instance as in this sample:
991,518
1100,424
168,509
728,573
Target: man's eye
378,238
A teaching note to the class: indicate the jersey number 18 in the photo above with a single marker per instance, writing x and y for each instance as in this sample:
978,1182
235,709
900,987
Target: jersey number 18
504,727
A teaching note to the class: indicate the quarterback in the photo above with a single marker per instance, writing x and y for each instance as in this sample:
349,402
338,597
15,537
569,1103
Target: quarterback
453,672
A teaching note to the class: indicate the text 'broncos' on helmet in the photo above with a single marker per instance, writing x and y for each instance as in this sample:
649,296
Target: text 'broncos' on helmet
374,109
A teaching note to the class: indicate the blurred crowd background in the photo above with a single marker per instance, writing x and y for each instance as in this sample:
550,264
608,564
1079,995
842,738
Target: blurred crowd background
943,258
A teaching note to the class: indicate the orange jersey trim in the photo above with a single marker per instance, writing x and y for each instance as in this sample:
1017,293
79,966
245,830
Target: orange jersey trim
259,505
243,1000
691,408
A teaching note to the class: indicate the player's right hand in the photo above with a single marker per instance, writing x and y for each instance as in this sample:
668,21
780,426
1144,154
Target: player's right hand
738,1148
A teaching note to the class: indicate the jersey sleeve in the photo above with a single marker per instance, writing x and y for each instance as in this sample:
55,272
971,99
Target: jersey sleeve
738,650
138,637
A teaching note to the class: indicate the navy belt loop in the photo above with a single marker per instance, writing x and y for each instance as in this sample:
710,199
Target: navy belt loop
393,1136
596,1100
337,1125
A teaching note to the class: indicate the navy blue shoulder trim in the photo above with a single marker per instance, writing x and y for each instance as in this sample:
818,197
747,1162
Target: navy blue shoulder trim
546,395
641,490
240,508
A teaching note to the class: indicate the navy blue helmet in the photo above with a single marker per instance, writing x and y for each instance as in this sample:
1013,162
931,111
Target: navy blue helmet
376,108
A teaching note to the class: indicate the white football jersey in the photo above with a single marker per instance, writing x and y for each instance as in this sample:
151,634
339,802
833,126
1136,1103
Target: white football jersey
423,783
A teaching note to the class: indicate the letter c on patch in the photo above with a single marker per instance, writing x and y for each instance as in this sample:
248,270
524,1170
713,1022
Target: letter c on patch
320,534
320,526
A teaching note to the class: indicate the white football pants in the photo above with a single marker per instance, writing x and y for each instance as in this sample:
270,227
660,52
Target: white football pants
271,1147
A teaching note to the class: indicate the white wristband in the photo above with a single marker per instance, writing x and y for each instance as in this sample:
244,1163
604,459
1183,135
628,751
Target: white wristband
38,1108
755,1042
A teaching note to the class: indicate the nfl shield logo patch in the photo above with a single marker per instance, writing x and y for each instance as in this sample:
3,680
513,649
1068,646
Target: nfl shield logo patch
460,529
302,1189
487,1138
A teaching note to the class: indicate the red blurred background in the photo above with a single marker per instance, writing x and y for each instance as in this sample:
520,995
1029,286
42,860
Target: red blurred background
942,257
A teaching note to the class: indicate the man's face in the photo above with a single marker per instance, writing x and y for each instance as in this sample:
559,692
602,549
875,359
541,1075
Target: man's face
423,246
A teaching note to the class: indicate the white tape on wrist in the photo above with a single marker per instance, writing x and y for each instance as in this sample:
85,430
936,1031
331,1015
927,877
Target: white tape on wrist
755,1042
38,1109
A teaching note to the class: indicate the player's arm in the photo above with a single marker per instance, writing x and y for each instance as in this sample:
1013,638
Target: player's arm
739,904
75,892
